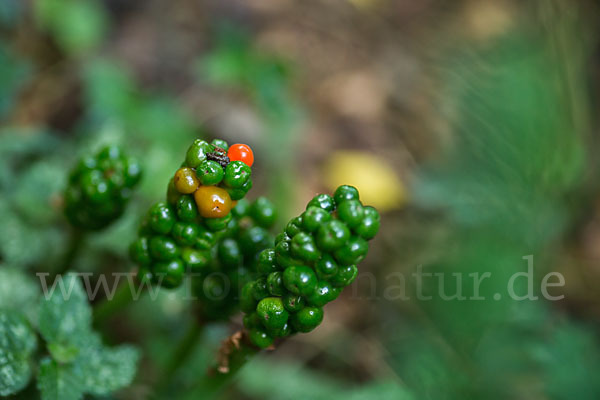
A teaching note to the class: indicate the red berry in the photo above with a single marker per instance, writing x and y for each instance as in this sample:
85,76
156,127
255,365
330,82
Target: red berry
241,152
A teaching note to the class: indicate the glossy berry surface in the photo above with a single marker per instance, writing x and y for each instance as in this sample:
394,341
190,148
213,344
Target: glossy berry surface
185,180
212,201
210,172
312,260
241,152
299,279
200,228
272,313
307,319
236,174
99,188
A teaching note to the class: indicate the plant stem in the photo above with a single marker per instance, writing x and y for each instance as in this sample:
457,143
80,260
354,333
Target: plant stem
234,353
108,307
76,239
180,354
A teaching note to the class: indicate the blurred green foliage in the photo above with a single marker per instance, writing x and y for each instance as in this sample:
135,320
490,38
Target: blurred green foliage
507,186
236,63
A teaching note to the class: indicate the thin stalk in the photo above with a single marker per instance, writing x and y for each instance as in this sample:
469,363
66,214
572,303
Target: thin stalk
76,240
108,307
234,353
180,355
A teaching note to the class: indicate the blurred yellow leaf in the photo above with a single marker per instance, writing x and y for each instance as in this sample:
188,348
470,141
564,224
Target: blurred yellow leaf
378,183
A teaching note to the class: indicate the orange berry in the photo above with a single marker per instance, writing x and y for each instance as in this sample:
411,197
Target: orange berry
212,201
185,180
241,152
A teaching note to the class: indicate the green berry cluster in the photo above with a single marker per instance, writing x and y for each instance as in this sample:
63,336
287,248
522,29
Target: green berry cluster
234,258
100,187
312,261
181,234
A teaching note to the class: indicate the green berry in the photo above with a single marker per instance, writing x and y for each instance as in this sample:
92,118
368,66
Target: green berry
263,212
369,225
260,289
303,247
282,237
283,255
236,174
323,201
161,218
313,218
140,252
272,313
260,338
266,262
217,224
351,212
353,252
197,153
323,294
185,233
240,193
247,300
345,192
293,303
275,283
195,260
332,235
254,240
307,319
186,208
284,331
111,152
345,276
326,267
215,287
220,143
294,227
209,172
132,172
205,240
169,273
229,253
241,209
299,279
163,248
251,321
94,187
144,275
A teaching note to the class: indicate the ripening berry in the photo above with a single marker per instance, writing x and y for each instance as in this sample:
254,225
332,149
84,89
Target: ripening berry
185,180
241,152
212,201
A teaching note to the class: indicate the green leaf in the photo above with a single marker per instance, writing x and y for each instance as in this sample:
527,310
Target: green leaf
63,353
65,315
17,343
105,370
17,290
38,185
58,382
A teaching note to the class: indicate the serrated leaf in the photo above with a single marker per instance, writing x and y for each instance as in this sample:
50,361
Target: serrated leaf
63,353
65,315
104,370
58,382
17,342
